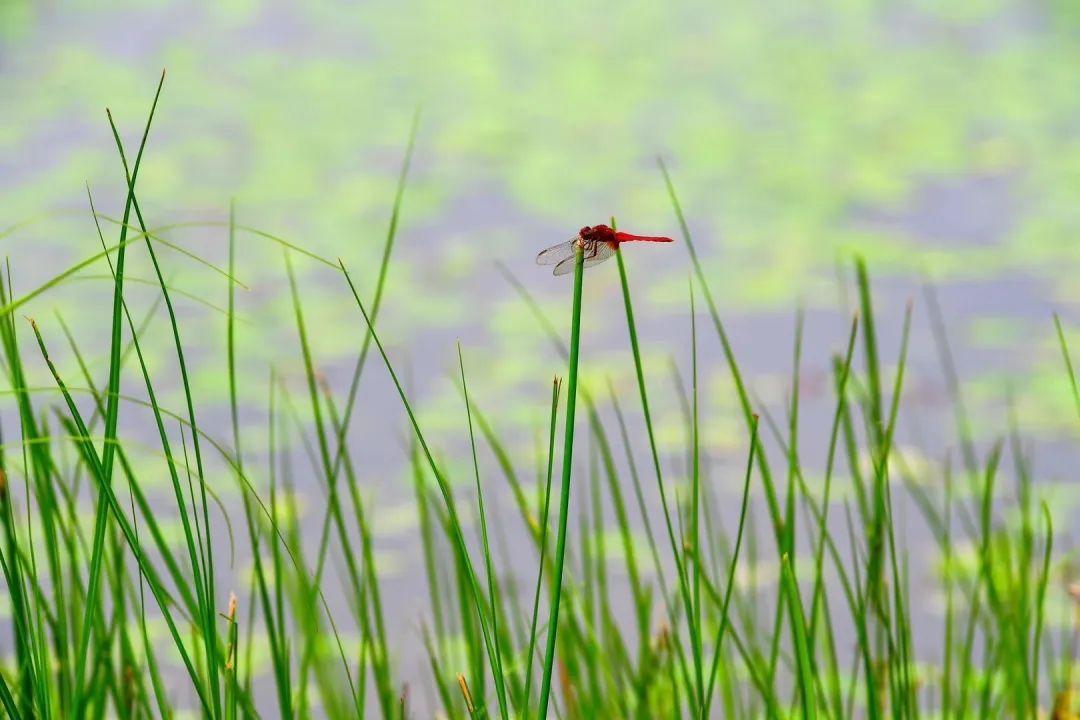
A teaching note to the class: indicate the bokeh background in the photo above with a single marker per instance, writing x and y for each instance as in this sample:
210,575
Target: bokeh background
939,140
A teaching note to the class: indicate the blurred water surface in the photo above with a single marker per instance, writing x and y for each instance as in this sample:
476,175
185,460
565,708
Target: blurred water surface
939,140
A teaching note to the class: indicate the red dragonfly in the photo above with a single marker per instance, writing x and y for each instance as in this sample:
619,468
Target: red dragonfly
597,243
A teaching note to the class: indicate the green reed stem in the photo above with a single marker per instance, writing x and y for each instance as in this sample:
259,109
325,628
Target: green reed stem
543,532
564,499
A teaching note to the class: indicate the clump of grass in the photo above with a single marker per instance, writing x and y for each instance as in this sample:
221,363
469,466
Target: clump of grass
837,635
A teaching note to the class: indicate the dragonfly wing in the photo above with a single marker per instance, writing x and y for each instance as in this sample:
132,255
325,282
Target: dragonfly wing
565,266
556,253
603,252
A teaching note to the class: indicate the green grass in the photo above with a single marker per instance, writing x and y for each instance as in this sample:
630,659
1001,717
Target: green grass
609,606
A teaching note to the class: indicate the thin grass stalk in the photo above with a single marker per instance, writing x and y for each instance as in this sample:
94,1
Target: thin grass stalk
680,565
805,674
193,535
427,537
543,531
729,353
497,669
370,598
160,696
20,585
793,436
698,557
275,640
183,588
360,363
40,468
380,286
335,467
333,503
452,520
729,588
564,497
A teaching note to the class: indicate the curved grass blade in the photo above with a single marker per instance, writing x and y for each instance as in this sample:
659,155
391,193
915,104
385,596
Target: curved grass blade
155,234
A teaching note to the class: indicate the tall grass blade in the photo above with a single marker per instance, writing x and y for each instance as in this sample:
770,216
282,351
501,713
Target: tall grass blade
544,534
564,495
108,451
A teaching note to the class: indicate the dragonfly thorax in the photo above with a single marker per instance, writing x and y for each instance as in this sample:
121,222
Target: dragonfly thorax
590,235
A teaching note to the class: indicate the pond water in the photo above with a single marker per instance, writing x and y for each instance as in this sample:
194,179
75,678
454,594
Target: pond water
943,145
